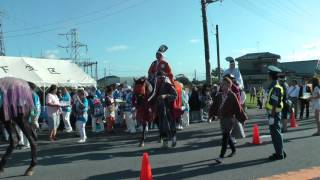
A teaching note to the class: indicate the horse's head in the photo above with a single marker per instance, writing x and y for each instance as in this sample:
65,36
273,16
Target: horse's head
142,88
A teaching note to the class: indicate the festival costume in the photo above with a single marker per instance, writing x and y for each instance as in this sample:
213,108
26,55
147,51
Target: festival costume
227,108
110,113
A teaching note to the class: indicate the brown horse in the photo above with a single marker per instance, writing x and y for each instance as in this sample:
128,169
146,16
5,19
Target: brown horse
16,103
142,90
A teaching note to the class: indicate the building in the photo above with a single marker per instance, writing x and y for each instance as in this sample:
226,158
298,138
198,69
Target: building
253,67
300,69
108,80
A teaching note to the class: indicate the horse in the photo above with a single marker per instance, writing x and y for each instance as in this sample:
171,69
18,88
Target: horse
16,104
168,107
142,90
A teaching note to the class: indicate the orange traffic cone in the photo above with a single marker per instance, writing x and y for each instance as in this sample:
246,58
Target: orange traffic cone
256,135
146,173
293,122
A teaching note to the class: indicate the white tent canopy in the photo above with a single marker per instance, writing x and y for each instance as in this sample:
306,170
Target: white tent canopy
44,72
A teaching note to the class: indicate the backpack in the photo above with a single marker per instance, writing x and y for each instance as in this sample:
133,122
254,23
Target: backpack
98,110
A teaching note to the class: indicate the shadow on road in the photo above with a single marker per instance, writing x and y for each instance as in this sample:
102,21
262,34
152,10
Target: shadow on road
182,171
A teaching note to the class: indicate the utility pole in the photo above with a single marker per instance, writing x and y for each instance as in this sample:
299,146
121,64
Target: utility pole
218,52
2,49
73,48
205,38
74,45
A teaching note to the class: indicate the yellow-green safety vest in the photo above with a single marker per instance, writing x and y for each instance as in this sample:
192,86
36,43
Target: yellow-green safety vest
269,106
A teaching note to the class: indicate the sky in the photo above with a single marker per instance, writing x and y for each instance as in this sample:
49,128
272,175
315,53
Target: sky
124,35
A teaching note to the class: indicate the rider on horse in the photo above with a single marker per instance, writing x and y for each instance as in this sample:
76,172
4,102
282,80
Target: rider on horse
160,65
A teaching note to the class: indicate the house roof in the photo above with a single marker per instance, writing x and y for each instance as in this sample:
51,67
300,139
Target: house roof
108,77
255,56
300,67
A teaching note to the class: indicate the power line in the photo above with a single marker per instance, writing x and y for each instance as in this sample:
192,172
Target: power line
304,11
284,9
259,12
64,21
80,23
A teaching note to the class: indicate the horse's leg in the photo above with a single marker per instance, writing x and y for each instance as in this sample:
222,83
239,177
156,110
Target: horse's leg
13,143
143,134
173,126
30,135
160,136
162,118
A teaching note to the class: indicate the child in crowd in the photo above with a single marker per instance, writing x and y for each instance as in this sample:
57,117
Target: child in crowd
98,115
128,109
110,110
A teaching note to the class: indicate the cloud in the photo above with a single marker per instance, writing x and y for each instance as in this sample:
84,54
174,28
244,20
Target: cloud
117,48
194,41
309,51
51,54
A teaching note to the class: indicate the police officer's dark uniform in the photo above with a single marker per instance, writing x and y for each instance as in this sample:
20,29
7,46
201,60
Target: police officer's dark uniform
274,106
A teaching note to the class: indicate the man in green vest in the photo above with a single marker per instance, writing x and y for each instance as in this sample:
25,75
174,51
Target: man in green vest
274,106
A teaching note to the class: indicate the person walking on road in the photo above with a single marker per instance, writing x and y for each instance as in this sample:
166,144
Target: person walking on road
293,96
66,110
227,108
195,105
82,105
260,96
253,94
305,91
274,106
54,111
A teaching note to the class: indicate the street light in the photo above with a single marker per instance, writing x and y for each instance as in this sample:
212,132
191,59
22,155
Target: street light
205,38
212,1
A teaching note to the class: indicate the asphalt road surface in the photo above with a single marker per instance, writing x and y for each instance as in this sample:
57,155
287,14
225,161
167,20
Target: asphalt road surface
118,156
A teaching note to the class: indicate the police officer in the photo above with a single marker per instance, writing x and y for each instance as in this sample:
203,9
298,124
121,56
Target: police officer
274,106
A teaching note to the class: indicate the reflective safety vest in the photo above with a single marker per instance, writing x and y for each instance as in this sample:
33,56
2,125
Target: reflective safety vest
275,98
259,94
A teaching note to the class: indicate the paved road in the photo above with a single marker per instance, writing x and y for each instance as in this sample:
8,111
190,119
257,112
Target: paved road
119,157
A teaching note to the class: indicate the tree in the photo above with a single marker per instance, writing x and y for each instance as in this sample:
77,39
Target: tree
183,79
215,75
